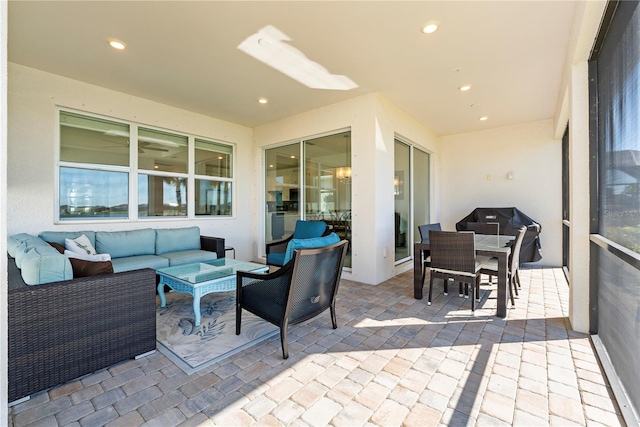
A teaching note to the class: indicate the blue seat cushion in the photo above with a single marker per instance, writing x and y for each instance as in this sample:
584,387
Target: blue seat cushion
187,257
177,239
315,242
276,259
140,261
29,244
309,229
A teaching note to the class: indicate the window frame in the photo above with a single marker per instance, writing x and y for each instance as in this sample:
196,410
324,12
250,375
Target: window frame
134,172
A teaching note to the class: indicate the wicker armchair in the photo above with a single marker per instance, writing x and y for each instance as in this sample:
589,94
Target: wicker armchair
453,257
302,289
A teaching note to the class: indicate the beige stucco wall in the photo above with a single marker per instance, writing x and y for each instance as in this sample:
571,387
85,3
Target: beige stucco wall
534,157
33,98
374,123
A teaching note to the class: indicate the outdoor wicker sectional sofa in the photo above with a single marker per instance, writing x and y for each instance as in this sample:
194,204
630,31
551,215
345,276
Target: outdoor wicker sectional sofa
62,330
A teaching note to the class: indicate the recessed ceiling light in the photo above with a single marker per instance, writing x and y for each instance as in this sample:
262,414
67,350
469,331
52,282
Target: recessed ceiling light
117,44
429,27
263,100
464,88
293,157
484,118
219,157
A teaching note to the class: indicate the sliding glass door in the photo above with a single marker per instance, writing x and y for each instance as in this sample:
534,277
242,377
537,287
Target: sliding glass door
325,177
402,199
420,191
282,192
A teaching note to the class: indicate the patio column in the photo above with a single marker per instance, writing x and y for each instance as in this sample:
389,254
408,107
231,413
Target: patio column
579,198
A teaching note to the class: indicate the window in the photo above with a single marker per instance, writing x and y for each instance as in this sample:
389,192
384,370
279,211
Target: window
213,170
615,239
102,160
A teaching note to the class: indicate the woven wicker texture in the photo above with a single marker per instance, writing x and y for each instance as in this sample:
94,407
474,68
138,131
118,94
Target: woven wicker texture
302,289
453,256
491,266
61,331
484,227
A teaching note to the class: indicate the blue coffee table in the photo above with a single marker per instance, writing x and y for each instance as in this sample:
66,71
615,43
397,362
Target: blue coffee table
202,278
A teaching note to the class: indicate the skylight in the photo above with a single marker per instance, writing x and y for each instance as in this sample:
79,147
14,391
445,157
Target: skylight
269,46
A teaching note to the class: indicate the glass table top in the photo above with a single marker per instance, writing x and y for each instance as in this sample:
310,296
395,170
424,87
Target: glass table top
210,270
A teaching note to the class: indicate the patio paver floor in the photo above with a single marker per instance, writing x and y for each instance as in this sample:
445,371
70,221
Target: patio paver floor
392,361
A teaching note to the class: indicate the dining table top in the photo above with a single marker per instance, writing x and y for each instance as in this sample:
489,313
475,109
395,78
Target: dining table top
483,242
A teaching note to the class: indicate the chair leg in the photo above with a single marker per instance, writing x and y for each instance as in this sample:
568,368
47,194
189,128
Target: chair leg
460,289
478,288
446,286
430,289
238,318
332,309
510,288
283,341
514,285
518,277
466,290
473,297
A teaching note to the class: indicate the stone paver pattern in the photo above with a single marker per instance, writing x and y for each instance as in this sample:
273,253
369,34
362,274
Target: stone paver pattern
393,361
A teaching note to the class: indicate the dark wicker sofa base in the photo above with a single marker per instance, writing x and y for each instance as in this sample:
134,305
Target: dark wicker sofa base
64,330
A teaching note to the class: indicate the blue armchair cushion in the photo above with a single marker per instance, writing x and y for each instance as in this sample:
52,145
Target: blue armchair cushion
177,239
276,258
309,229
314,242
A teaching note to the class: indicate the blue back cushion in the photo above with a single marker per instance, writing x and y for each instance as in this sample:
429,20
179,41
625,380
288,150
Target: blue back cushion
60,236
119,244
314,242
27,245
177,239
41,265
309,229
14,241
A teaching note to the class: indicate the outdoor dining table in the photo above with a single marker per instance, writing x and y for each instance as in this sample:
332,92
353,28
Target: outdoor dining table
492,246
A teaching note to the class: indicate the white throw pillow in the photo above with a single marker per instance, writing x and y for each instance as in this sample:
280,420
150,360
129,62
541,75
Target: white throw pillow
85,257
80,245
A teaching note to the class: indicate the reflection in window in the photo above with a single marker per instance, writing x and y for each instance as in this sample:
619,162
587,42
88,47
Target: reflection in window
162,196
213,159
92,140
213,197
162,151
94,150
90,193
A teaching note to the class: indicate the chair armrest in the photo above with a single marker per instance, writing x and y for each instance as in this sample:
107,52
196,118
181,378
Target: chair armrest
278,246
279,279
213,244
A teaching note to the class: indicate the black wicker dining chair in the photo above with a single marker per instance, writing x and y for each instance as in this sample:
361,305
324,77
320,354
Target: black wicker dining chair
490,266
302,289
424,237
489,228
453,257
